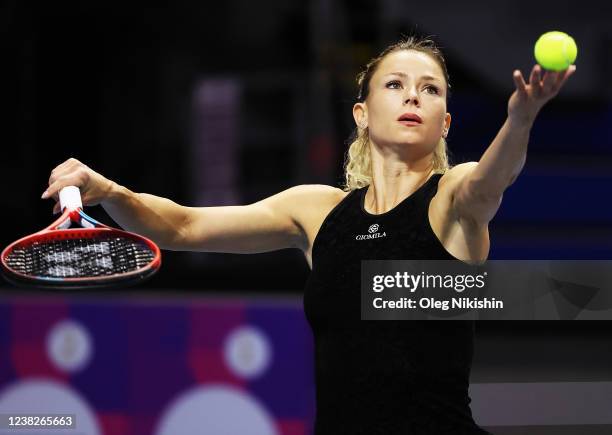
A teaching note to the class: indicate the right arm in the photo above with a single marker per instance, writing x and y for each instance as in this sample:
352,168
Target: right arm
270,224
266,225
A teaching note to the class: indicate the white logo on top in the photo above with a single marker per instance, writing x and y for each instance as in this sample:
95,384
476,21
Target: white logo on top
374,233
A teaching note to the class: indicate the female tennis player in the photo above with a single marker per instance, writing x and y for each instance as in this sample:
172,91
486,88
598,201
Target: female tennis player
401,200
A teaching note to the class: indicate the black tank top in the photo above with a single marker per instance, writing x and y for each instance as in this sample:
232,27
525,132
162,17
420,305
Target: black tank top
383,377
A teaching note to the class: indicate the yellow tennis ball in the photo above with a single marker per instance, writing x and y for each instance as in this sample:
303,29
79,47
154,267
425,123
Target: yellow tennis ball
555,51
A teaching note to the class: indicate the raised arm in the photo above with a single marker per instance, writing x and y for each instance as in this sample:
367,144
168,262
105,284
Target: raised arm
267,225
480,186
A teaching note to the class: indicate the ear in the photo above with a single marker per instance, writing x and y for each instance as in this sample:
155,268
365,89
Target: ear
447,122
360,115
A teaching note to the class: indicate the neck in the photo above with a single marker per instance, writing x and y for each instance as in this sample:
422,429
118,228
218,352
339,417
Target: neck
394,181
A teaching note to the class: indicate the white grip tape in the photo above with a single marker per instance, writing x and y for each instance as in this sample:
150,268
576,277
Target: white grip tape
70,197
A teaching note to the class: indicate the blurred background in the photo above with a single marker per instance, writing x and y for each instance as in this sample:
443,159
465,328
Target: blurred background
227,103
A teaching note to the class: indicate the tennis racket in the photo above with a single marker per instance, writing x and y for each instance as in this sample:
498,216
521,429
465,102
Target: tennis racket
90,255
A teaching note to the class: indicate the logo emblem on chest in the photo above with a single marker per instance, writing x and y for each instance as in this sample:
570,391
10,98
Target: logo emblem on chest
373,233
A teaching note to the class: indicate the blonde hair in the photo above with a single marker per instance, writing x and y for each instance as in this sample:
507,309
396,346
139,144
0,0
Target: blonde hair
358,163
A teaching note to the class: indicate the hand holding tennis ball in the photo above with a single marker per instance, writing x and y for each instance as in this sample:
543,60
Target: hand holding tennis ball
555,51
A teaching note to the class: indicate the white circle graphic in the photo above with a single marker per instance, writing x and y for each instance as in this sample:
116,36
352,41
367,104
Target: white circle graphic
373,228
69,346
247,352
43,396
218,410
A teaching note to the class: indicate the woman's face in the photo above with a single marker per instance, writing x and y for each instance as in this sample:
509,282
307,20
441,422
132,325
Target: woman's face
406,82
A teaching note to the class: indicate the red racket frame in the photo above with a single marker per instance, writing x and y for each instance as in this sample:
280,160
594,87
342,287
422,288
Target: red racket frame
90,229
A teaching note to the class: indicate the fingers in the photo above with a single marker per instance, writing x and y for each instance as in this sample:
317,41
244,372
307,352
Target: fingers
62,168
93,187
534,79
53,189
558,82
568,73
56,174
75,177
555,80
548,83
544,86
521,86
63,171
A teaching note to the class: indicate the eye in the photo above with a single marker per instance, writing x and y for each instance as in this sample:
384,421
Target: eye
394,84
431,87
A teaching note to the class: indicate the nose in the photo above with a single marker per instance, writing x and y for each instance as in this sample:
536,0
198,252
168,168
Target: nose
411,96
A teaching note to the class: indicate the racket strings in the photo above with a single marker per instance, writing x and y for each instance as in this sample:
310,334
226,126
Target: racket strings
74,258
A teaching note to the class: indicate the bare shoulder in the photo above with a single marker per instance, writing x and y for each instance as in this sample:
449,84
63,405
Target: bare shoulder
302,200
316,192
311,201
310,204
454,175
447,186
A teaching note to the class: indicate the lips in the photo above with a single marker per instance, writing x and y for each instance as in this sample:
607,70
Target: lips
410,118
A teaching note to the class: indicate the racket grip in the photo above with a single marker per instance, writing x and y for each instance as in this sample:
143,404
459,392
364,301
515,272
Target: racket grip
70,197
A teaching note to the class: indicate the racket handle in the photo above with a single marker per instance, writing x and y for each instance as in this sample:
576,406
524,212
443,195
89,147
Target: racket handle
70,197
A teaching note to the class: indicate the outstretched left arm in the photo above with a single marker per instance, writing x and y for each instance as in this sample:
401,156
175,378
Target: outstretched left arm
479,191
